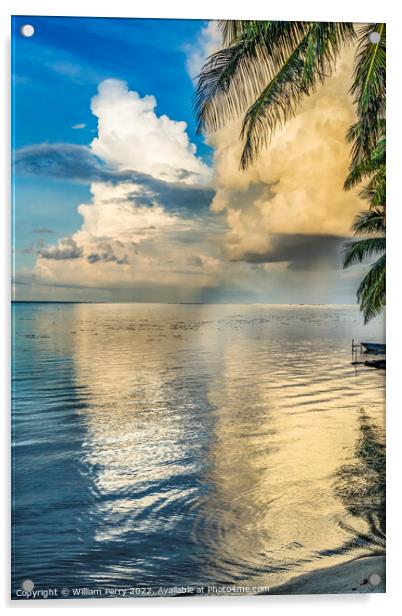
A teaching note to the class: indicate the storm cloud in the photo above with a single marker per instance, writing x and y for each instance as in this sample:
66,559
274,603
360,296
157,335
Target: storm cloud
77,163
302,251
295,186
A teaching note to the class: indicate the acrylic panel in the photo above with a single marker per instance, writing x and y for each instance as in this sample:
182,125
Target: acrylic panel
198,351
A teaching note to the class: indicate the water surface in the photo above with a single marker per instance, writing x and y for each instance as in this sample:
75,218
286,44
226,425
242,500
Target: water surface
192,444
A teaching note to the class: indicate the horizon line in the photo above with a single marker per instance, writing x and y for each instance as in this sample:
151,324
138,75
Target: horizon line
29,301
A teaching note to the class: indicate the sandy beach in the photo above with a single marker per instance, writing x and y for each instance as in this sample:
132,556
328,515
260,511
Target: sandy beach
363,575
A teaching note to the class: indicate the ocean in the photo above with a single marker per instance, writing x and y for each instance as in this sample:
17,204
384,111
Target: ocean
161,445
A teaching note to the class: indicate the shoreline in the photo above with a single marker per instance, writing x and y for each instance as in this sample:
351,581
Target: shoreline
352,577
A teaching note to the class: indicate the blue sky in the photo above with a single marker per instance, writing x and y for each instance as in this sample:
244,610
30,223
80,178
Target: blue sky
62,64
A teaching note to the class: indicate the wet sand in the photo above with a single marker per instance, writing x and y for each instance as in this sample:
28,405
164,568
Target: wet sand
363,575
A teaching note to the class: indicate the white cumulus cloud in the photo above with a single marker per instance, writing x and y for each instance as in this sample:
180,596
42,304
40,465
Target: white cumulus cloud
132,136
124,242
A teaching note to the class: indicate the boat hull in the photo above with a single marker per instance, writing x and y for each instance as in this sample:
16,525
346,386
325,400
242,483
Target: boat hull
373,347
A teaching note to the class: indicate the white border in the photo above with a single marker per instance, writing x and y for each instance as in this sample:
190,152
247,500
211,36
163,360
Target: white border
339,10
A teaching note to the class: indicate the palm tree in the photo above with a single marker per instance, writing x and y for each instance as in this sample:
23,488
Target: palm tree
265,68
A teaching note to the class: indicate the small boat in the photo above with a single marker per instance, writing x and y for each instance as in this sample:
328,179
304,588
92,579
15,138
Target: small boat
374,347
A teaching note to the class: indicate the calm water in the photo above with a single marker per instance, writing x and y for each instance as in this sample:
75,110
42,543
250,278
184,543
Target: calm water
192,444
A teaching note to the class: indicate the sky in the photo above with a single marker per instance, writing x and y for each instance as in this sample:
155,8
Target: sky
116,198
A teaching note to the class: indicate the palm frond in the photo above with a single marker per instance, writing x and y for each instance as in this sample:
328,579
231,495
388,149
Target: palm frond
309,64
231,29
325,41
277,102
367,165
358,250
354,135
368,88
369,222
375,190
371,292
234,76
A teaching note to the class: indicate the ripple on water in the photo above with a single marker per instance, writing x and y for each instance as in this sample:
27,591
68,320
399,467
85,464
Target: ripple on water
246,450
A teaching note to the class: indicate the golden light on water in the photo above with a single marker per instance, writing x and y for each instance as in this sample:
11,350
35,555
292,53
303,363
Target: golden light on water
214,417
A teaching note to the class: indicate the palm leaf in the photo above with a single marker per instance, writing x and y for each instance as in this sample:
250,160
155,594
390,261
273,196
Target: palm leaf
234,76
370,222
359,250
354,135
231,29
371,292
368,88
367,165
277,102
325,41
309,63
375,191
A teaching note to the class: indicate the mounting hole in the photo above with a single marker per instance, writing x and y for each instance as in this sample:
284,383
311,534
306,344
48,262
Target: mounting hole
27,30
374,37
375,579
27,585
